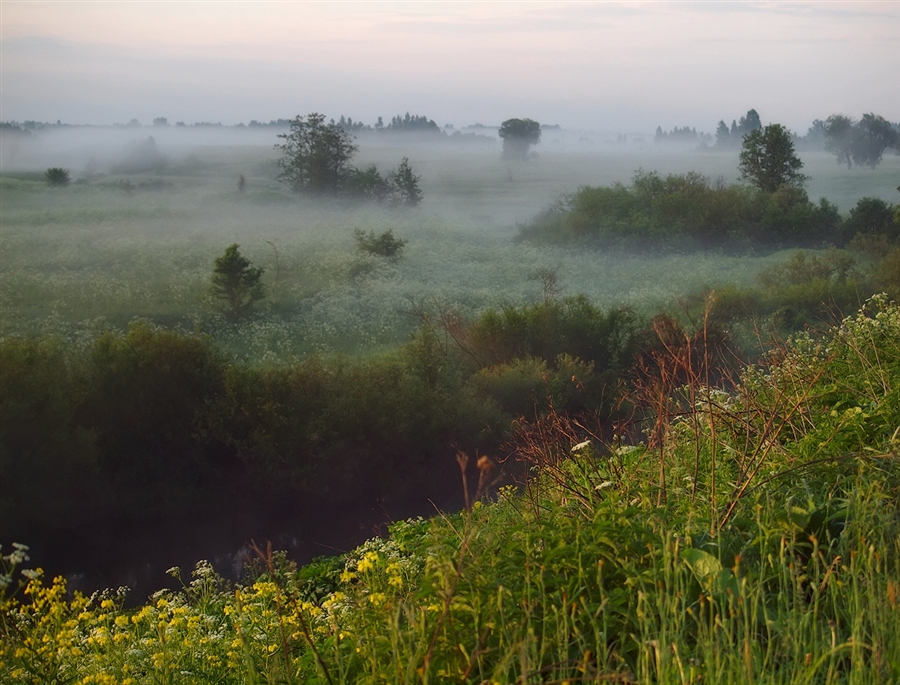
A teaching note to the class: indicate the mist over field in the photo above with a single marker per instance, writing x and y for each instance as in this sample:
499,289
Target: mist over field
475,342
134,235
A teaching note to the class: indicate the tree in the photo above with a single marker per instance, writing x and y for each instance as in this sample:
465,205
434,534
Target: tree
872,135
861,143
732,137
872,216
236,282
839,138
518,135
315,155
368,185
723,135
749,123
405,185
768,160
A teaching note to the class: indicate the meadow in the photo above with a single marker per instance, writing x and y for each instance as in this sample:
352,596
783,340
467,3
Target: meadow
677,516
108,249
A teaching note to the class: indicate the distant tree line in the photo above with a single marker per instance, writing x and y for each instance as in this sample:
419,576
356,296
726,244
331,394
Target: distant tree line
731,138
680,135
862,142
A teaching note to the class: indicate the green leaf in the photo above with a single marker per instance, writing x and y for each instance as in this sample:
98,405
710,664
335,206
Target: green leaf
702,564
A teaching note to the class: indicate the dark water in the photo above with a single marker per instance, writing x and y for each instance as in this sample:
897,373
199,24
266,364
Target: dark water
138,555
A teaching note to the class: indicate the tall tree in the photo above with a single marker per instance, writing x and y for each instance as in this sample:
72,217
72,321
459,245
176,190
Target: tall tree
723,135
862,143
406,185
749,123
839,138
315,155
872,136
518,135
768,160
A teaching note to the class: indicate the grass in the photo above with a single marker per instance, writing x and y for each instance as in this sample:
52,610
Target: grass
766,551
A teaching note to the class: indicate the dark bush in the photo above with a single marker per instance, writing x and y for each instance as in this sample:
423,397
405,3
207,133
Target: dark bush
685,209
384,245
872,216
56,176
146,399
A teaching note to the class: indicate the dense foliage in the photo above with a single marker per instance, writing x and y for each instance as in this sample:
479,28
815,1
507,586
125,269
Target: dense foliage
686,209
315,159
518,135
141,424
860,142
752,535
768,159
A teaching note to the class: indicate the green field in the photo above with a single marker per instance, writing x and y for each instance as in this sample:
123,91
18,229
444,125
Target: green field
95,255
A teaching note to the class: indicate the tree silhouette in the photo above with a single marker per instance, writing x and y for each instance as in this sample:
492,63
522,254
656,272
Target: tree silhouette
518,135
768,160
236,282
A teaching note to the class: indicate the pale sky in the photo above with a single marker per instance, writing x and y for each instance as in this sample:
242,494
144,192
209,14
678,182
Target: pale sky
608,66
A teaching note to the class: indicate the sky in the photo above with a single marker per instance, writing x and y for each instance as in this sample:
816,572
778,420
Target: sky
603,66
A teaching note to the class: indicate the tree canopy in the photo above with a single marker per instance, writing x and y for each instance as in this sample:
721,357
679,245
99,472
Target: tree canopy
732,137
518,135
768,160
315,155
863,142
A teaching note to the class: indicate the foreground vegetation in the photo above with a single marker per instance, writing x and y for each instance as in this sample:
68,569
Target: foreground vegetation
741,535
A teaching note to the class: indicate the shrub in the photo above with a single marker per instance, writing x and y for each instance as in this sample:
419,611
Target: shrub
685,208
236,282
384,245
57,176
872,216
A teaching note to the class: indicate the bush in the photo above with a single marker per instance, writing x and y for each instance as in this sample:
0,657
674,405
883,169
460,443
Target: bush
57,176
384,245
872,216
685,209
